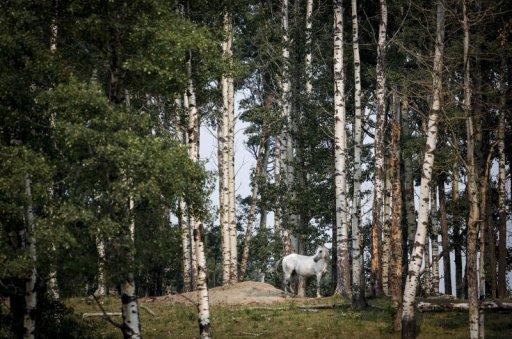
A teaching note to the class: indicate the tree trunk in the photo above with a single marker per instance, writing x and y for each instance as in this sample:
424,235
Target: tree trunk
193,149
386,227
343,262
457,236
410,211
474,214
376,264
286,143
230,139
258,171
434,290
129,309
396,221
100,246
203,305
502,202
186,243
408,314
199,261
226,165
445,238
29,245
308,58
129,303
358,285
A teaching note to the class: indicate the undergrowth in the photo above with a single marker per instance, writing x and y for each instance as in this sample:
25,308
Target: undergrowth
288,320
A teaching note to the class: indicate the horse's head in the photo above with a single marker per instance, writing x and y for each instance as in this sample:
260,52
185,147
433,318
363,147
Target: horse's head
322,253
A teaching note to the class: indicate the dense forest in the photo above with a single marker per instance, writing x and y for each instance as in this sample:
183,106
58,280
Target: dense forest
381,127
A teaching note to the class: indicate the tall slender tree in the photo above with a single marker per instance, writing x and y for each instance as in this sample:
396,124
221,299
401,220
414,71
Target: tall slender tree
376,264
358,285
408,314
474,214
343,265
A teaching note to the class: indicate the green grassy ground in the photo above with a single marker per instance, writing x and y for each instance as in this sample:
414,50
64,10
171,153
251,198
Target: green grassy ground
180,321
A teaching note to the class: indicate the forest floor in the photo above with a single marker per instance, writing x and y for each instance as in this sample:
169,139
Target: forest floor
256,309
243,293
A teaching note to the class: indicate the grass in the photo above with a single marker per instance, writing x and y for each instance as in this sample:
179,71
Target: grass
288,321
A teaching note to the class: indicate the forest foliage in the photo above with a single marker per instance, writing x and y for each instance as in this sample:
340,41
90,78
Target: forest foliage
89,116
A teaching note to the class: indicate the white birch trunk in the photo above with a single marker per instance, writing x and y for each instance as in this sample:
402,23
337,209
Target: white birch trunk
202,287
408,314
193,153
474,214
130,309
502,207
53,288
230,260
358,285
343,265
233,243
185,232
29,244
308,57
386,230
197,227
286,151
100,247
434,291
376,265
223,208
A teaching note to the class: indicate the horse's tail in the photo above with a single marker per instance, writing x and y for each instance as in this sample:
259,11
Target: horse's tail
277,264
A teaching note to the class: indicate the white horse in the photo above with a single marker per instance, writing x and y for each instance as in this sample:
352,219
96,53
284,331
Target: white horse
305,266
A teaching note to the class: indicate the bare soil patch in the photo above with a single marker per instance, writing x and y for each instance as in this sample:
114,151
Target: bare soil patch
243,293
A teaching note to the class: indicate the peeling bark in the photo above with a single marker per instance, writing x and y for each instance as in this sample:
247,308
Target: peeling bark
408,314
358,285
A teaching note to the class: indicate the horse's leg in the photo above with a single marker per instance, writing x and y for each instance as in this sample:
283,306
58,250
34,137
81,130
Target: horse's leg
318,279
286,281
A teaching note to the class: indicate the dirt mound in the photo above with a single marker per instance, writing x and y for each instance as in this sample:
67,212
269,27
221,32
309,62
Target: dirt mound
242,293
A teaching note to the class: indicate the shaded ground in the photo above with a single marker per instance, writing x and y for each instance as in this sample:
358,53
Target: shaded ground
243,293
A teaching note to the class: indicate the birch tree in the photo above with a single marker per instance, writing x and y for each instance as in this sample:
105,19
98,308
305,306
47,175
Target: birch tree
358,285
130,308
474,214
445,239
502,213
226,166
29,244
197,227
376,264
285,138
409,299
343,265
396,250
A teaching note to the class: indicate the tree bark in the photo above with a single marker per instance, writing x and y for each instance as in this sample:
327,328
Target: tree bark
202,287
343,265
396,221
434,290
376,264
502,207
358,285
129,309
408,314
199,261
445,238
457,236
474,214
29,245
252,207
